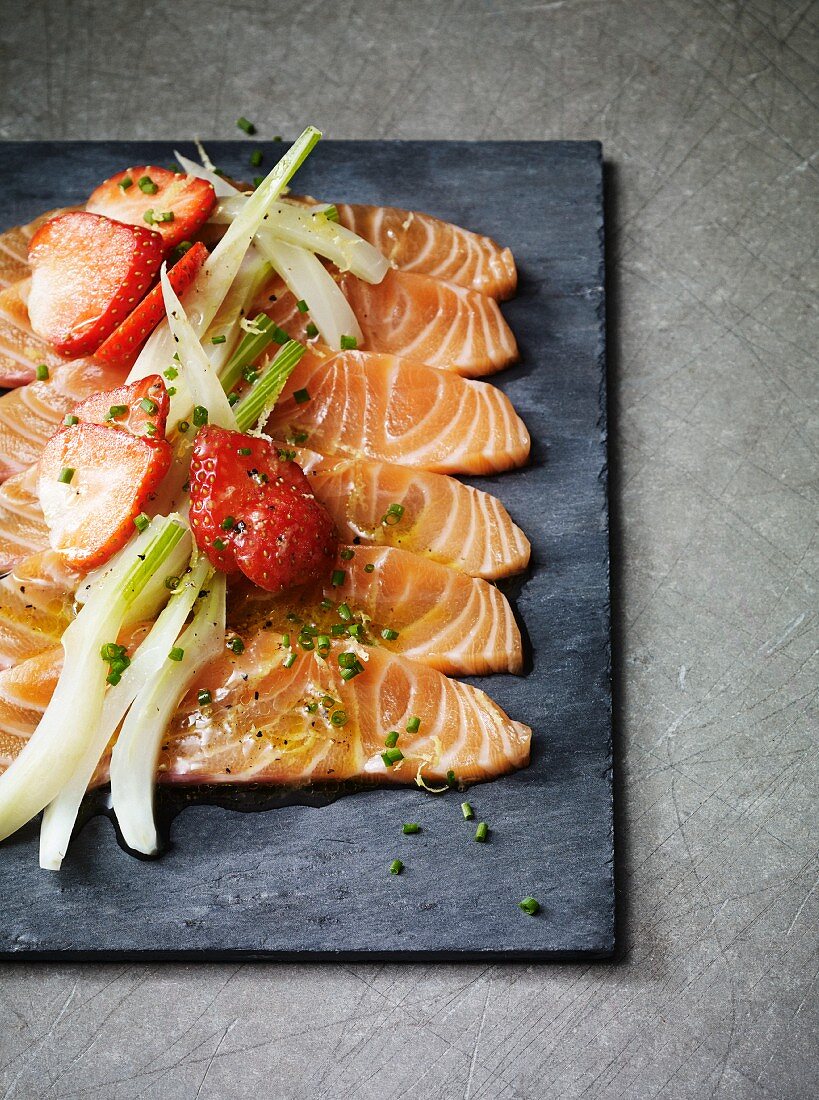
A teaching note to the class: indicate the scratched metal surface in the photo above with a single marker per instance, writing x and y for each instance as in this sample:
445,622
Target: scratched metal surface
705,110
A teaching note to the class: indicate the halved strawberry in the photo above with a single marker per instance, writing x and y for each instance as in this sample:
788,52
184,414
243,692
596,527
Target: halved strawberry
174,204
123,345
88,274
141,407
94,481
253,511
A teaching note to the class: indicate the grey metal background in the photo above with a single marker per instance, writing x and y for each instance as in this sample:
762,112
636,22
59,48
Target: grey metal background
307,880
707,113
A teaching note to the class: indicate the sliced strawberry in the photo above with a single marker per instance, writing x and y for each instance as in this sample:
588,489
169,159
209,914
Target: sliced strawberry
94,481
88,274
141,407
254,512
174,204
123,345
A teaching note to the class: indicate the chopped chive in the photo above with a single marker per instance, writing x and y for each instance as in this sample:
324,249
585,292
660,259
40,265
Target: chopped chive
338,630
414,724
182,426
391,740
301,305
245,125
171,373
306,642
116,411
392,515
355,630
339,718
348,343
227,523
338,577
244,451
171,391
331,213
286,641
200,415
529,906
164,216
204,698
148,217
388,634
481,832
369,567
311,330
290,659
392,756
141,522
172,583
467,811
237,645
311,708
218,339
450,777
256,158
326,604
300,437
396,867
348,673
125,183
346,554
410,827
323,642
183,247
147,185
71,420
176,654
150,429
250,374
347,660
65,475
41,372
328,701
300,396
148,406
345,613
218,544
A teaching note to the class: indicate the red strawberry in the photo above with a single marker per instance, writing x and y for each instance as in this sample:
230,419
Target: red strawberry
141,408
174,204
123,345
94,481
253,511
88,273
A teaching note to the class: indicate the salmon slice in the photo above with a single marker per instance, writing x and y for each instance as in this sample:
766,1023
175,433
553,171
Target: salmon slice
382,407
421,243
22,527
30,415
416,316
25,691
14,248
458,624
259,727
36,600
21,350
442,519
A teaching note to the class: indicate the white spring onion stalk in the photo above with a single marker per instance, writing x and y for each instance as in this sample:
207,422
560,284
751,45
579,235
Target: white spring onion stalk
206,294
307,227
220,185
54,750
307,278
201,379
61,814
134,759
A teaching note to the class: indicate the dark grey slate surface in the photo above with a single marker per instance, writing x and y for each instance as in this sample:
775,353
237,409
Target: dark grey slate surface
305,881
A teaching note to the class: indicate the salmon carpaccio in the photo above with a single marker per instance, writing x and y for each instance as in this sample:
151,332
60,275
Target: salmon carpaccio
418,242
386,408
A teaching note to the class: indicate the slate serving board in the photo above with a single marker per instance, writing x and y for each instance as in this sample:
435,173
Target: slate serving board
312,881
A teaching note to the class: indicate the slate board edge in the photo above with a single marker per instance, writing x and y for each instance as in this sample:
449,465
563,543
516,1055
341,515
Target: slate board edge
29,952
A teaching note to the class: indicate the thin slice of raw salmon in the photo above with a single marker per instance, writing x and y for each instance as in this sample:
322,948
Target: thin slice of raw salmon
421,243
272,724
386,408
405,603
31,414
23,529
36,600
14,248
440,518
416,316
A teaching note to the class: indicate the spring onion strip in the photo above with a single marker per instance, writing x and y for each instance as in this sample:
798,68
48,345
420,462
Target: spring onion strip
248,351
208,291
309,227
253,273
54,750
146,663
256,405
307,278
220,185
201,379
134,759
